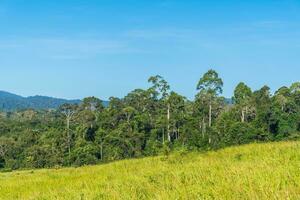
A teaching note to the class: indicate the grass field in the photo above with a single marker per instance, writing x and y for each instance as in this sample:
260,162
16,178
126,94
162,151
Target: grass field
256,171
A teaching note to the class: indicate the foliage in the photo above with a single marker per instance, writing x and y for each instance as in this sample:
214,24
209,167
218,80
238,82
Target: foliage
147,122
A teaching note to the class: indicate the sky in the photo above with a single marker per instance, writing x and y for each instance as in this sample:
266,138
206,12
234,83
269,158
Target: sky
74,48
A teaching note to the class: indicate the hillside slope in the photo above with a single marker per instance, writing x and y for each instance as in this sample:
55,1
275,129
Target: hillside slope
256,171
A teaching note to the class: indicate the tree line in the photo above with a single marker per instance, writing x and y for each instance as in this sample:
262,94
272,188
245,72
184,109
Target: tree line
148,122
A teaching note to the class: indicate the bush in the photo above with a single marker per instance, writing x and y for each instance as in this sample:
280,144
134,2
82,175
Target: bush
84,155
240,133
5,170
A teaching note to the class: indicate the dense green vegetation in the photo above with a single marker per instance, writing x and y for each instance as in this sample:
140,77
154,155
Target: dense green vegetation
256,171
148,122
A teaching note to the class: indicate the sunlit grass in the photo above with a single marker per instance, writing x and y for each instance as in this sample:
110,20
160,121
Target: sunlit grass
256,171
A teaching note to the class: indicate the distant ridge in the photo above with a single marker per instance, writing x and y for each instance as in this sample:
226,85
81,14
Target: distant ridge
12,102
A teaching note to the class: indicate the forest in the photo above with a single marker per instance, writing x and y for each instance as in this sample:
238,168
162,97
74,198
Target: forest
148,122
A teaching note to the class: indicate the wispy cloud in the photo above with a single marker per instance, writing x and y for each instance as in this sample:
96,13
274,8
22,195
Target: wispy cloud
263,33
139,41
271,24
180,40
57,48
163,33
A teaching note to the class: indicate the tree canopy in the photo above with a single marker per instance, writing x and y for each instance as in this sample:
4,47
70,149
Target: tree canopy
148,122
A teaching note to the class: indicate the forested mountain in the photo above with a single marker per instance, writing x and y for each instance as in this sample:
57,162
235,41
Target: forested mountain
12,102
147,122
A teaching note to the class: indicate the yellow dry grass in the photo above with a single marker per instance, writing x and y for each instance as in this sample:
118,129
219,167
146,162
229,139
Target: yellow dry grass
255,171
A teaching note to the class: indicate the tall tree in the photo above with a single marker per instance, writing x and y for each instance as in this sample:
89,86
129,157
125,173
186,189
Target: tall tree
242,97
177,108
211,86
295,91
262,100
68,110
161,88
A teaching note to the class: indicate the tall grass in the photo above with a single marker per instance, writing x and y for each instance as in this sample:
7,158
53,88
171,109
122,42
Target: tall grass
256,171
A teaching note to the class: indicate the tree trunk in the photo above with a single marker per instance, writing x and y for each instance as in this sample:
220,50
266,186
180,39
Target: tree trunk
101,151
163,136
203,128
210,113
246,114
168,121
243,115
68,139
68,134
200,126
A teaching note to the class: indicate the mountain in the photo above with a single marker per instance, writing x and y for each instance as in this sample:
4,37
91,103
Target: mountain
229,101
11,102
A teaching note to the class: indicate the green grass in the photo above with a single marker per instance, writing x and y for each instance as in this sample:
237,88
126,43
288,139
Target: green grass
256,171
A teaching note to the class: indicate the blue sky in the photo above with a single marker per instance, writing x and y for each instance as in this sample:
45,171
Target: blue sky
75,48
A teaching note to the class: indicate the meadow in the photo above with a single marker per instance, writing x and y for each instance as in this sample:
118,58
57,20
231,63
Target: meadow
255,171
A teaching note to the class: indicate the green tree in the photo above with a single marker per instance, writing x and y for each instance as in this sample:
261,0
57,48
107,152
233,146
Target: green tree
161,89
211,85
68,110
242,97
